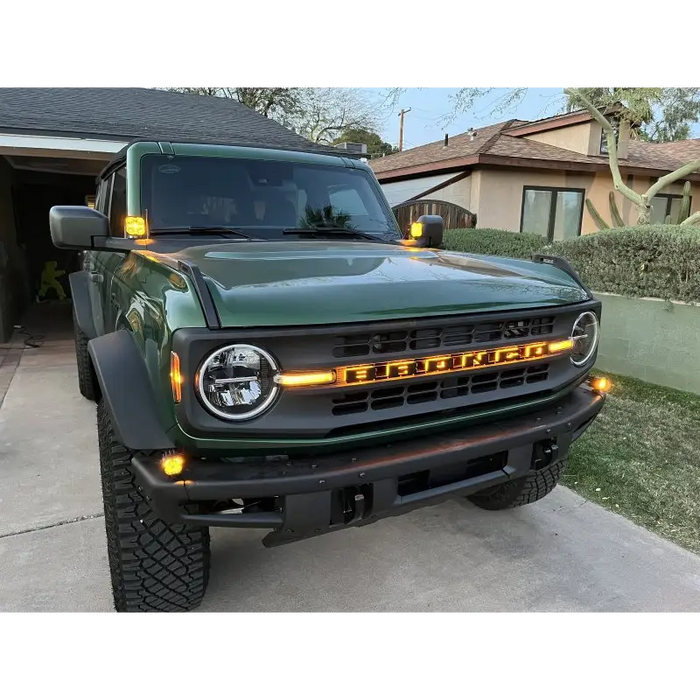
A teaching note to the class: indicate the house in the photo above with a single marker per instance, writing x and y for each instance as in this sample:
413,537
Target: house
535,176
53,143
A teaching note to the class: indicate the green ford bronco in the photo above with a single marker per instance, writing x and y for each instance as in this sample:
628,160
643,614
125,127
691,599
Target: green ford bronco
268,350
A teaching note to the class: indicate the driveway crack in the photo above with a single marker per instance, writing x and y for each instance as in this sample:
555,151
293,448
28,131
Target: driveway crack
80,518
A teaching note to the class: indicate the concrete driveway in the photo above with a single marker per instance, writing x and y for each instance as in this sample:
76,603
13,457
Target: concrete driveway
562,554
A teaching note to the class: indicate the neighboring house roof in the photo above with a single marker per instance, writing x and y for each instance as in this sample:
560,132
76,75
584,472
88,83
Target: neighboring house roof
505,144
139,113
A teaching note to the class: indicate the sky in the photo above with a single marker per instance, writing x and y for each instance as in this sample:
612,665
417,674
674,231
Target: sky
429,105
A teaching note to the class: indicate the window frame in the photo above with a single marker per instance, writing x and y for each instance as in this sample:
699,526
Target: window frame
112,179
603,147
552,207
669,201
103,198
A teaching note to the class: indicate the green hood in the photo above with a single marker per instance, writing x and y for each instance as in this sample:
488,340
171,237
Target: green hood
305,283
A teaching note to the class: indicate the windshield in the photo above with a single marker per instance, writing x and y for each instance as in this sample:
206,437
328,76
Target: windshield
261,197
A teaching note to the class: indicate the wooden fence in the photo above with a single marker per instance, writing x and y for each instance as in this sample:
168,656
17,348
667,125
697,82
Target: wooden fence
454,215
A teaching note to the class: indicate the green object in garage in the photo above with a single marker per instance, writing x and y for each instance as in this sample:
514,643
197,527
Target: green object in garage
49,280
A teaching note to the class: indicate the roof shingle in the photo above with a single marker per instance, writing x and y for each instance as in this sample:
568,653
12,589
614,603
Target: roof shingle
495,141
139,113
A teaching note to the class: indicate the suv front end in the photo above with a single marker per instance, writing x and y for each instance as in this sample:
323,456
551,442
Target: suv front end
267,350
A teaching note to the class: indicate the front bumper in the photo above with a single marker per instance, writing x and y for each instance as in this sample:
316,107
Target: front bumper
303,497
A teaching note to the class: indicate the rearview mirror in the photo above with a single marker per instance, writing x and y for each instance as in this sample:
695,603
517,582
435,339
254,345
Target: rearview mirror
427,231
83,228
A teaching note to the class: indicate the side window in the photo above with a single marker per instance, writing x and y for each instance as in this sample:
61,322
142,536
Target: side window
103,195
117,207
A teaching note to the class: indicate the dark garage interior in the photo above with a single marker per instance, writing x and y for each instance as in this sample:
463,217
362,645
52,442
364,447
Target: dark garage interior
27,193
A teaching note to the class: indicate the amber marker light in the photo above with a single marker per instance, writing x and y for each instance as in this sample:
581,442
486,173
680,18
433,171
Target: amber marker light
175,377
601,384
172,465
561,345
135,227
416,229
300,379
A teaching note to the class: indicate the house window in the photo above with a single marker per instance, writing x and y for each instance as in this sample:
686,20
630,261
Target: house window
604,140
664,205
553,212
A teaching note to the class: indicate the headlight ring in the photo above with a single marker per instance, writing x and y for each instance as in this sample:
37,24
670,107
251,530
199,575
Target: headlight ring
236,382
585,334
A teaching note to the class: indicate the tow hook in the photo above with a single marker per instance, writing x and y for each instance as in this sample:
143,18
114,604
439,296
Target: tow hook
544,453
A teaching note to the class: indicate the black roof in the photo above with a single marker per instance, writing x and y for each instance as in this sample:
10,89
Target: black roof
141,114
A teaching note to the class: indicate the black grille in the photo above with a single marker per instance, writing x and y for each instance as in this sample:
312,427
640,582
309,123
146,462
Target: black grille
392,342
427,390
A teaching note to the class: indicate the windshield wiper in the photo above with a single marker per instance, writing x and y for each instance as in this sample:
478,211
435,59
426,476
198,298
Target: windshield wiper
332,230
203,230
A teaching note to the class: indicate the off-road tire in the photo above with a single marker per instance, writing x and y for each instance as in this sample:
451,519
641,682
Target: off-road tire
154,565
87,381
519,492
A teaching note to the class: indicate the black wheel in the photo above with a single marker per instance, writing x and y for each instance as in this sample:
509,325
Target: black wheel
154,565
87,381
519,492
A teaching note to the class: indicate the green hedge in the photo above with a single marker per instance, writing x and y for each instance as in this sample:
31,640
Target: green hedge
492,241
640,261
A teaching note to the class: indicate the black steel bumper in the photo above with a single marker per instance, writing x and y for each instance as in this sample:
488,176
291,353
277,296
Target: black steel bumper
306,497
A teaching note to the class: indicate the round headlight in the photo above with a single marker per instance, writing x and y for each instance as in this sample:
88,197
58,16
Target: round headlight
236,382
585,337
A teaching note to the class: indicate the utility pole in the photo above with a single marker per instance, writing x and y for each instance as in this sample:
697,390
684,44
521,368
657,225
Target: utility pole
401,113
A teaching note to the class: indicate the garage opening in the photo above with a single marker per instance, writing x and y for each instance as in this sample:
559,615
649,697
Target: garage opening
34,287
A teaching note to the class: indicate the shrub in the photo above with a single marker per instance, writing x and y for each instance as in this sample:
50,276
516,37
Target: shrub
639,261
491,241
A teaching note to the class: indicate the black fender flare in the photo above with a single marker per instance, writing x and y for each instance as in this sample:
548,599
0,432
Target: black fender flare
80,293
127,392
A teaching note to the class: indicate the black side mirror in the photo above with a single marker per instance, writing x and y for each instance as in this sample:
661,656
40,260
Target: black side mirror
427,231
83,228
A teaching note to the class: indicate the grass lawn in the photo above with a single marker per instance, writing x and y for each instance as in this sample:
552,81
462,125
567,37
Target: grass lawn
641,458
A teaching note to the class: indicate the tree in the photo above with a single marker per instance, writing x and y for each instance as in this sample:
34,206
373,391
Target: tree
375,146
641,201
655,114
319,114
327,112
270,102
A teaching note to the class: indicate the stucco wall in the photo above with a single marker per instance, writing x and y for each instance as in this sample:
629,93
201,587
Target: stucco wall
578,137
459,192
650,339
499,202
603,184
398,192
497,195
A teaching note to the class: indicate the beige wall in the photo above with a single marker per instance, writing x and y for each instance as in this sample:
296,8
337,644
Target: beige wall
604,184
496,195
459,192
499,201
581,138
501,193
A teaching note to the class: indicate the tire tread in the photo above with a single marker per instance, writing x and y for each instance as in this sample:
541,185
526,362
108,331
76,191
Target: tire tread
154,565
87,381
520,492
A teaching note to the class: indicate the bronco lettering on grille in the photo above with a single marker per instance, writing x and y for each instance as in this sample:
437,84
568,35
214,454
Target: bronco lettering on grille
441,364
